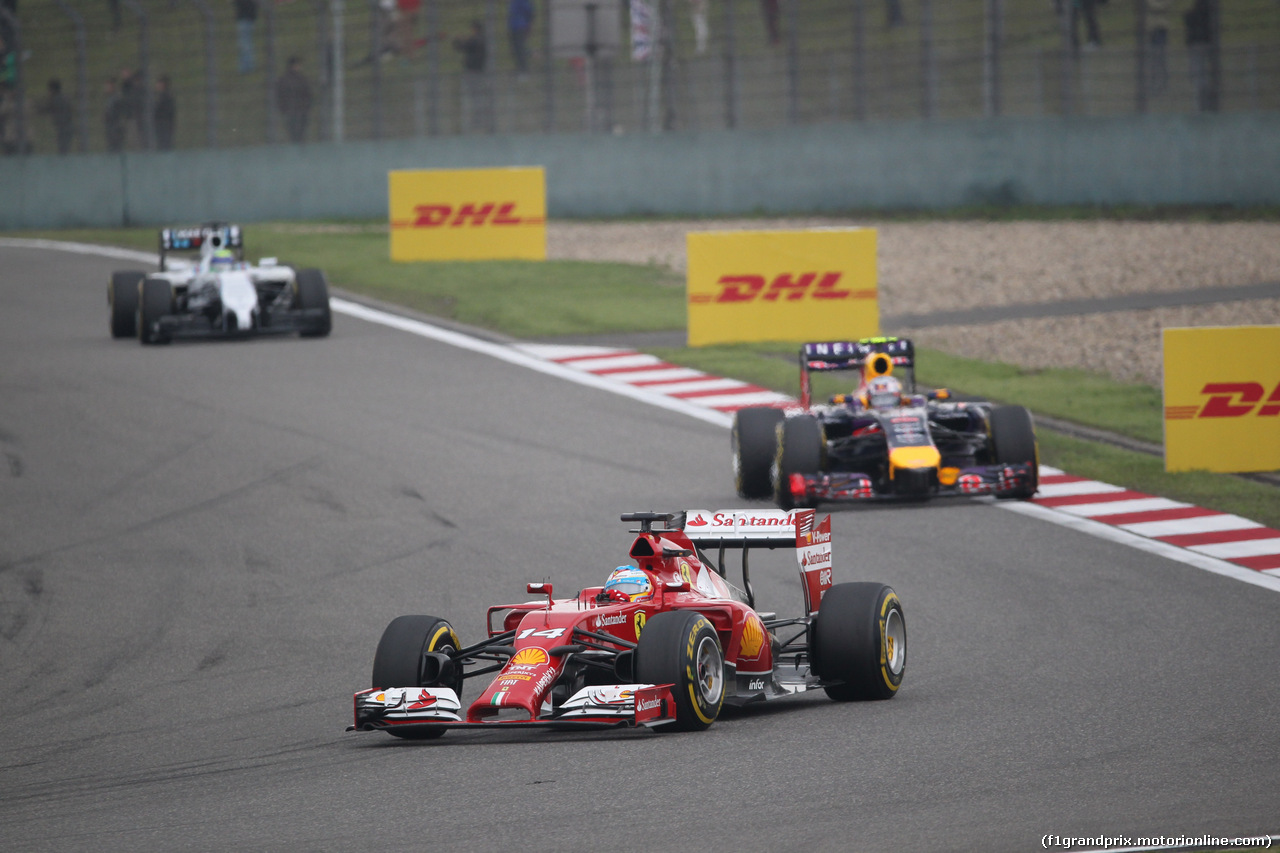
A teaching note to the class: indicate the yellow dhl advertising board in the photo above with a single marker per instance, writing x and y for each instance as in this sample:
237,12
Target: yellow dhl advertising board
782,285
468,214
1222,398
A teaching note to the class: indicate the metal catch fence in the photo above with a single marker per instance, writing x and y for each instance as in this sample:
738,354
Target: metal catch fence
159,74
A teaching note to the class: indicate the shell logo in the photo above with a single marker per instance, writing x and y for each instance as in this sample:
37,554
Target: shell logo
529,657
752,636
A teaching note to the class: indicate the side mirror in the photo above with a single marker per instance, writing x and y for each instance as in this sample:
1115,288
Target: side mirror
676,586
540,589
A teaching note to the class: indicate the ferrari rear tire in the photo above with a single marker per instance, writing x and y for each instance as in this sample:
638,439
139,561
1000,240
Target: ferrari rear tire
754,440
155,300
858,642
798,450
398,660
681,648
1013,441
313,292
122,299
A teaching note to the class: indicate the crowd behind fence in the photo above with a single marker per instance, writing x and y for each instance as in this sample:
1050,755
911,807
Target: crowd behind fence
116,75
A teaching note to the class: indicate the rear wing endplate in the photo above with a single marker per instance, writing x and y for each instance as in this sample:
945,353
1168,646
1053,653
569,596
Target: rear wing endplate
750,529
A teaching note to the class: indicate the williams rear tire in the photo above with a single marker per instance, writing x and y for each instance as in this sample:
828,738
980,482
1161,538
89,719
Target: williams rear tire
798,450
858,642
681,648
1013,442
122,300
754,440
398,660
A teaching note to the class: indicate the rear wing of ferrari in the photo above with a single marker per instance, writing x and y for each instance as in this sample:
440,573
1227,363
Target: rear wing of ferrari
748,529
198,238
883,354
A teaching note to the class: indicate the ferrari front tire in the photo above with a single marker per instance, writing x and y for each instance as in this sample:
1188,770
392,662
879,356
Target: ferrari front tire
155,300
1013,442
681,648
398,661
312,292
753,441
858,642
122,300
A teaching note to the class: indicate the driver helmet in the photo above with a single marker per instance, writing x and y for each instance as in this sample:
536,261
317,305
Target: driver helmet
627,583
222,259
883,392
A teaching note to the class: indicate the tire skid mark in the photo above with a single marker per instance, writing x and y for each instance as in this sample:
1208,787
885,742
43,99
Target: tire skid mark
432,545
226,497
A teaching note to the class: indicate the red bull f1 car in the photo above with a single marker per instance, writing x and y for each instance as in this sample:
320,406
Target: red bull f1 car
882,441
664,643
206,289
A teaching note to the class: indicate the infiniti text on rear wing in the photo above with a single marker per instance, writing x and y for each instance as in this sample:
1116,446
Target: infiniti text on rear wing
851,355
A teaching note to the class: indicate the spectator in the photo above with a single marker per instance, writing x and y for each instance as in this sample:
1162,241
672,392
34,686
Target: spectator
246,17
56,106
8,13
701,29
133,100
165,114
293,98
772,20
1157,47
474,92
8,127
519,23
893,14
113,117
1088,10
8,63
407,26
1200,45
388,41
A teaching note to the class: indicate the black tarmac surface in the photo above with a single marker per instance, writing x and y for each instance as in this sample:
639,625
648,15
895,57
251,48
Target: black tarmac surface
201,543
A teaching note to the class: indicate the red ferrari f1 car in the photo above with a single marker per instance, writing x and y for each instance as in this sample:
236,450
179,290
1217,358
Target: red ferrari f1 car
665,643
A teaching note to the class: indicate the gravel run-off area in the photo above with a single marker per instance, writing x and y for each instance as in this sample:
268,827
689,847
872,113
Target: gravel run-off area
936,266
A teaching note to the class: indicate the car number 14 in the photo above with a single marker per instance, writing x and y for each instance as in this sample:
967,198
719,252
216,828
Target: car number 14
549,633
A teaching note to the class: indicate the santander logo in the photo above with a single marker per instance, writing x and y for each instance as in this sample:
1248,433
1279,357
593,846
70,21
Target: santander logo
425,700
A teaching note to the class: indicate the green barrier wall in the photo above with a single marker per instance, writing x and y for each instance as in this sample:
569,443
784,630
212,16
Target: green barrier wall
1229,159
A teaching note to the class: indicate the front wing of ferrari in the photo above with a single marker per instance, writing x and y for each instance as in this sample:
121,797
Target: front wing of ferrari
591,707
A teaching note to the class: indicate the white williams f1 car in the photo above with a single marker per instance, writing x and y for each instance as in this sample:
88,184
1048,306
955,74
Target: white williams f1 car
210,291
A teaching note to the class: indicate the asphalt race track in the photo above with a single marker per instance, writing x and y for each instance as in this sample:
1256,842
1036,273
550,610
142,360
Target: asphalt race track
200,545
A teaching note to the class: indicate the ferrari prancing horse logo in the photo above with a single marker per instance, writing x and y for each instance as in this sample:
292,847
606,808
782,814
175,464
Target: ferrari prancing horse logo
639,622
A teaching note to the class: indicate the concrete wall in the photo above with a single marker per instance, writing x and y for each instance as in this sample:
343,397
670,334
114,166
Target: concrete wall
1229,159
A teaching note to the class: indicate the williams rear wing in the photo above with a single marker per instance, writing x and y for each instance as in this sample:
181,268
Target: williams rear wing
748,529
219,235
